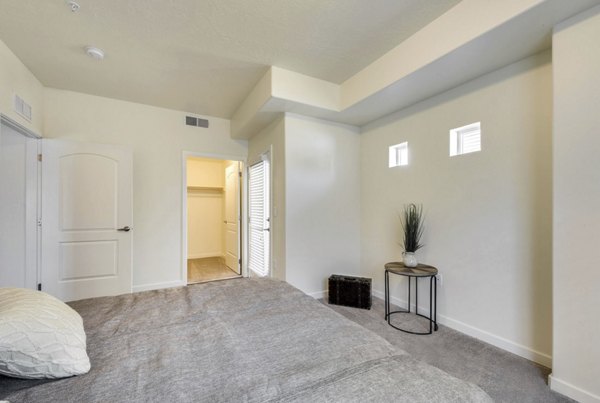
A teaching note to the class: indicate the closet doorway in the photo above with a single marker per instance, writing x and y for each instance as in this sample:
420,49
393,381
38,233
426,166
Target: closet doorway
213,212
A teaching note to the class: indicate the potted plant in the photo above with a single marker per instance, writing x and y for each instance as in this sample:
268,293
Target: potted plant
412,225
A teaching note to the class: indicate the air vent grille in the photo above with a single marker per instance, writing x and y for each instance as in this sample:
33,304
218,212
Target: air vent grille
22,108
193,121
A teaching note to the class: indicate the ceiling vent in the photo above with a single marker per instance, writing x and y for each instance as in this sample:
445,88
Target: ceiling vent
22,108
192,121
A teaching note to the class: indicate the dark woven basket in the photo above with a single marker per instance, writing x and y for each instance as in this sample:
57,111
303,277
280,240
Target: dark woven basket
350,291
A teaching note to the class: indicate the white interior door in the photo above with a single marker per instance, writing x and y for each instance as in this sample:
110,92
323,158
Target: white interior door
18,208
86,219
259,220
232,211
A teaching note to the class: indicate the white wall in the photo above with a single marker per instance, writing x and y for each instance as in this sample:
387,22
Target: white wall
158,138
322,202
576,59
488,214
15,78
272,138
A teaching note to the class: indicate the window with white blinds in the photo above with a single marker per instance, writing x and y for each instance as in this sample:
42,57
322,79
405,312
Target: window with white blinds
258,219
466,139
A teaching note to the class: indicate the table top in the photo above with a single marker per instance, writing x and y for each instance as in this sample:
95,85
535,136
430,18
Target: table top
422,270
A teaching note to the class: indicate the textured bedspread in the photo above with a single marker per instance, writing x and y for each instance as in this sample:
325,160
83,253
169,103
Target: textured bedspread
242,340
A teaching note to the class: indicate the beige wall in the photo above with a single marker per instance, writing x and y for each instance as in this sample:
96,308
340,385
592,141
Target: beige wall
205,203
488,214
576,57
322,202
272,138
205,223
15,78
158,137
205,172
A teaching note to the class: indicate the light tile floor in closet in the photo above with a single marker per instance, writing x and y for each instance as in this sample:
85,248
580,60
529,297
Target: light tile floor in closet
209,269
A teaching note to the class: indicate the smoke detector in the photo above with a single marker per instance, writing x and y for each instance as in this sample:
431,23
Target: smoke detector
74,6
94,53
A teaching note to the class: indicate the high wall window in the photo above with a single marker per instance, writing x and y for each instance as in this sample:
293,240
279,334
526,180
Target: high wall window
466,139
398,155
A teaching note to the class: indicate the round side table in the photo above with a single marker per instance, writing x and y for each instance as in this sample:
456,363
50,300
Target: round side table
422,270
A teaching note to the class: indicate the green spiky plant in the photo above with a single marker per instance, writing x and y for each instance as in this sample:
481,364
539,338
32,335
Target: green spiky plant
412,224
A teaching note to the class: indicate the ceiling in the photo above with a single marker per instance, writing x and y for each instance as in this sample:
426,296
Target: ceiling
203,56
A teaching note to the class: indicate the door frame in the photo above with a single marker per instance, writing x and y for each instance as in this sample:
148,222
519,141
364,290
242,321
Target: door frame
268,151
33,234
184,214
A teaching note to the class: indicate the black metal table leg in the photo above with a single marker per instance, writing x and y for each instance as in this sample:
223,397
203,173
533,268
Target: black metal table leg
416,296
387,295
430,304
408,307
421,270
435,303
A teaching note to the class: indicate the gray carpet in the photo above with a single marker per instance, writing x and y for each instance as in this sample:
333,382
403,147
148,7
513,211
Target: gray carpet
504,376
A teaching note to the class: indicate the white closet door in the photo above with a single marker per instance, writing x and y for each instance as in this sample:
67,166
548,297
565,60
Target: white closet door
232,213
259,219
18,209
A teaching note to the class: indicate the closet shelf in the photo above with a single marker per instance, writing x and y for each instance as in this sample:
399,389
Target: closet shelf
213,188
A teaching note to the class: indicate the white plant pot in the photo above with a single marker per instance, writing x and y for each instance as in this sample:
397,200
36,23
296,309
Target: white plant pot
410,260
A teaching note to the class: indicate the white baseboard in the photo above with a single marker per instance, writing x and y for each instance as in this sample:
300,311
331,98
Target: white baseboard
490,338
572,391
498,341
483,335
318,294
158,286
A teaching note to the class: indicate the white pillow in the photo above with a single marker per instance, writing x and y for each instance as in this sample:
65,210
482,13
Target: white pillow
40,336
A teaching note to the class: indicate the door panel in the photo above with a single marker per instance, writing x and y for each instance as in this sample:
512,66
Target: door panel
89,196
86,198
232,204
86,260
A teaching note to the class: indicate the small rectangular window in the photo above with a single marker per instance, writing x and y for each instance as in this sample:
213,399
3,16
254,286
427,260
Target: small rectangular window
399,155
466,139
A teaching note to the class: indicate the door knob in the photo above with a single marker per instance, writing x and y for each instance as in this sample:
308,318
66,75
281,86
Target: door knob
125,229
